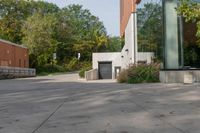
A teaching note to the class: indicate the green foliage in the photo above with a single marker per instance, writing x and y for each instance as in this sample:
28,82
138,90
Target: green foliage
38,33
142,73
192,56
150,28
190,11
73,65
82,73
49,68
45,28
83,32
114,44
85,66
13,13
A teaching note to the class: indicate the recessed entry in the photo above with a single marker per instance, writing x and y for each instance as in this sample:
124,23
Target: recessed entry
105,70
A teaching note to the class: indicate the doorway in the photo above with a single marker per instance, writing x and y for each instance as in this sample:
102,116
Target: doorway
105,70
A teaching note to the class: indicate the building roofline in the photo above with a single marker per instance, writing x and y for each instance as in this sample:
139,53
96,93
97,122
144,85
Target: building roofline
138,1
11,43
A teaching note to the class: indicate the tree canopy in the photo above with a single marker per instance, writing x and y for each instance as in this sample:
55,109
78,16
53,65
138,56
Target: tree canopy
150,28
46,29
189,9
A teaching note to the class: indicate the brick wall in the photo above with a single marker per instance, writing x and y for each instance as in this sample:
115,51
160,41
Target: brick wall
126,8
13,55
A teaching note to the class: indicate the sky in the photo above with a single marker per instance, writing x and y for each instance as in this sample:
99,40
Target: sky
107,10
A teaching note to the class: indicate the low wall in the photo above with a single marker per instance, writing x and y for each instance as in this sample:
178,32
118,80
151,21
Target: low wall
145,56
15,72
180,76
92,74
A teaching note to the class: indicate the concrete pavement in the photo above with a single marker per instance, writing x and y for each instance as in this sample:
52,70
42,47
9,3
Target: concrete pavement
64,104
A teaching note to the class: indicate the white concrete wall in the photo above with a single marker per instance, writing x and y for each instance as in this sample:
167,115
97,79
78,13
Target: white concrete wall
129,51
114,57
129,54
92,74
145,56
182,76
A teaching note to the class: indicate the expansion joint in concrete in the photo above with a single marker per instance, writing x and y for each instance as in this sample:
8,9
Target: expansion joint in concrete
43,122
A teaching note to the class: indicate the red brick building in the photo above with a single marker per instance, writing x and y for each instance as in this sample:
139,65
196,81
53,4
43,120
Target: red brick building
127,7
13,55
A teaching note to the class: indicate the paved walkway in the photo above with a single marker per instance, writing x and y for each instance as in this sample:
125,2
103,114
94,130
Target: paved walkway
63,104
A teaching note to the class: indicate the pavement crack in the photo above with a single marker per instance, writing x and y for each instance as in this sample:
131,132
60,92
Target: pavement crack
43,122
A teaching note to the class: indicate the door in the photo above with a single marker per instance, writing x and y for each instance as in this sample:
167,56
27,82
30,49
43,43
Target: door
105,70
117,71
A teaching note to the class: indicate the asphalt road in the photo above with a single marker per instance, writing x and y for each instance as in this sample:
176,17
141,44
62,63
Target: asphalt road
64,104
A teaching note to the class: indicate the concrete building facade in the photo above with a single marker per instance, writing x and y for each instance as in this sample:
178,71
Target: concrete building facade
13,55
113,58
110,64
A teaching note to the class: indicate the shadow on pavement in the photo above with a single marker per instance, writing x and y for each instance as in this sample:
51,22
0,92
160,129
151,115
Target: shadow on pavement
82,107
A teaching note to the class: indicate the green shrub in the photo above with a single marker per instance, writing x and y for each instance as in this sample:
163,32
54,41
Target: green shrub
142,73
49,68
73,65
85,66
82,73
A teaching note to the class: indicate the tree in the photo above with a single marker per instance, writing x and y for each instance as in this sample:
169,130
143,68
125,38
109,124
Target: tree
45,28
13,13
191,13
114,44
150,28
39,34
87,33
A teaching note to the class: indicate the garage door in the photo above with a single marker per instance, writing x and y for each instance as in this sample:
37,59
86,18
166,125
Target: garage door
105,70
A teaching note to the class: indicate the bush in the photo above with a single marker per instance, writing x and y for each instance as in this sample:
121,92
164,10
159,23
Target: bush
86,66
49,68
123,76
73,65
143,73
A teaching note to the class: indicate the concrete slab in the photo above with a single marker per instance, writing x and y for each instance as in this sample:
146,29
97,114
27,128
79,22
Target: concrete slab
63,104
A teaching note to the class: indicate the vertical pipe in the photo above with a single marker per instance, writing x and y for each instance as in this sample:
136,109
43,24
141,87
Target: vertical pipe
181,42
136,38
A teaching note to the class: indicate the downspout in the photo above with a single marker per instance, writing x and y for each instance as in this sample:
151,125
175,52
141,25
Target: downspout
135,36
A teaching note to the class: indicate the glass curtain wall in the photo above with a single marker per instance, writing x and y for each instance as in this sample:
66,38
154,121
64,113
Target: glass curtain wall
162,31
149,17
179,39
172,36
191,49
